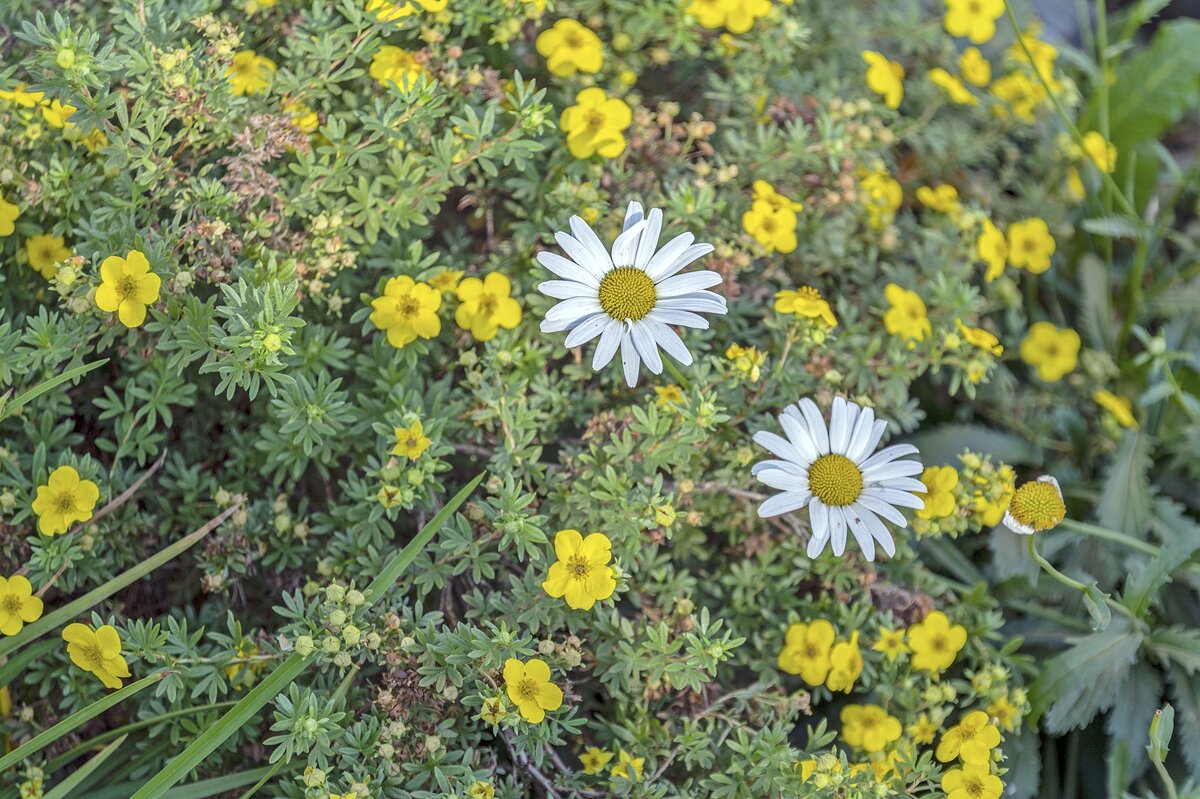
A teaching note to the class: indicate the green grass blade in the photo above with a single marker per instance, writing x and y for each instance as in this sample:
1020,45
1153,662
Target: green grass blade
73,609
204,789
285,673
15,665
76,778
29,396
399,562
39,742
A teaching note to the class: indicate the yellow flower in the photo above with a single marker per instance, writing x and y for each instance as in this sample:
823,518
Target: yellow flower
64,500
1044,54
482,790
8,217
1051,351
747,360
302,116
1075,188
1006,714
529,686
410,441
1030,245
883,197
97,651
885,78
806,651
250,73
953,87
990,511
446,280
906,316
922,731
940,482
1120,408
1021,94
972,739
127,286
628,768
1102,152
891,642
972,782
254,6
992,249
766,192
56,114
974,19
805,301
736,16
668,395
22,98
935,642
846,664
394,65
978,337
869,727
595,125
485,306
386,11
45,252
974,68
406,310
942,198
594,760
581,573
569,47
772,227
18,605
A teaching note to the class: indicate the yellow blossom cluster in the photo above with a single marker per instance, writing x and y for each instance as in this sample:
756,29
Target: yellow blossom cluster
813,651
408,309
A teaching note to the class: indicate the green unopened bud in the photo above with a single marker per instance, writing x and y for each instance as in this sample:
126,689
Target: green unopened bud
305,647
65,58
351,635
335,593
337,618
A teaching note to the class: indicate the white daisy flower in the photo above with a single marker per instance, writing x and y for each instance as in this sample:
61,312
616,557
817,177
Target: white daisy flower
834,473
1035,506
631,296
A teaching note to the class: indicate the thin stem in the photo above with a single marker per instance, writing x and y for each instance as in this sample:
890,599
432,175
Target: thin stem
1096,531
679,378
1126,206
1070,583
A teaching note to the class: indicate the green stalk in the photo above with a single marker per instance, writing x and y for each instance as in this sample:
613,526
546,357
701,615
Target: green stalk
73,609
76,778
71,722
287,672
675,373
1075,584
11,406
1096,531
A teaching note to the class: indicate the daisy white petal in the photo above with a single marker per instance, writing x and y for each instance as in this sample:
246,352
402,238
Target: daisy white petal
569,270
566,289
586,330
649,241
610,340
670,341
685,284
629,360
633,214
667,268
682,318
667,256
783,503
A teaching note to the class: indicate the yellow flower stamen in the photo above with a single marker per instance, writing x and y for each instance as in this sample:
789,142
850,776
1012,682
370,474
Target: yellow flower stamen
627,293
835,480
1038,504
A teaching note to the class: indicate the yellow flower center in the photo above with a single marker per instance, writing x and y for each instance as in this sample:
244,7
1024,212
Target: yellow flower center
627,293
11,603
93,656
126,288
579,567
487,304
408,307
973,785
64,502
528,689
595,119
966,733
939,643
573,40
1038,505
811,651
835,480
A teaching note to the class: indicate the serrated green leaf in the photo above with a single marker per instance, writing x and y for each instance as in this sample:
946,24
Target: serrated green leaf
1125,496
1185,696
1079,683
1097,607
1137,699
1179,645
1115,227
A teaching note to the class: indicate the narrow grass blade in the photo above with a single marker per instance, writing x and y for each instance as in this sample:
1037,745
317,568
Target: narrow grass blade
24,398
287,671
204,789
39,742
76,778
15,665
73,609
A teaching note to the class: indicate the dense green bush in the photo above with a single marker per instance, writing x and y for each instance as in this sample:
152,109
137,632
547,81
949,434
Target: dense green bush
269,304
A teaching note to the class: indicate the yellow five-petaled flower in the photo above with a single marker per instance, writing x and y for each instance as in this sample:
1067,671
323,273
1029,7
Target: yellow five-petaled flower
529,686
406,310
127,286
97,651
486,306
18,605
581,574
64,500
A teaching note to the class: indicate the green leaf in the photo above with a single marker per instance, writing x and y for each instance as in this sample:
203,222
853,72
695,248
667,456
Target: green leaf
1179,645
203,789
943,444
39,742
1079,683
285,673
1155,87
1095,286
73,609
1185,694
76,778
8,408
1097,607
1125,497
1161,729
1116,227
1137,699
